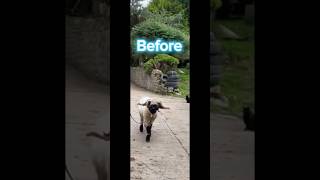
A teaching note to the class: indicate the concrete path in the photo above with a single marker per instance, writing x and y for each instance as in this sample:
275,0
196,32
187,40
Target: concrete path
166,156
86,110
232,149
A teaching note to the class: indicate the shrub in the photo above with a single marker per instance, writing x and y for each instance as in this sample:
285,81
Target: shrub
178,20
172,6
152,30
163,62
149,66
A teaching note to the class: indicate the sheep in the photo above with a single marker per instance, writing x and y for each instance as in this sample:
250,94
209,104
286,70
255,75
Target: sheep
148,113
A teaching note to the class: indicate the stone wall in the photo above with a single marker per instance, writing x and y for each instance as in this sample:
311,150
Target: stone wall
87,45
151,82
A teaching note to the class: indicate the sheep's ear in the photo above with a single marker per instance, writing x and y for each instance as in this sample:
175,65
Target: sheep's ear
148,103
144,104
160,105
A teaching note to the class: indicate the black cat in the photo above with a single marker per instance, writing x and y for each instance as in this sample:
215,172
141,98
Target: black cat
188,99
248,119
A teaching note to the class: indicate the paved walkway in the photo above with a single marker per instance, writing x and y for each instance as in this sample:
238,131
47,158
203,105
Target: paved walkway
166,156
86,110
232,157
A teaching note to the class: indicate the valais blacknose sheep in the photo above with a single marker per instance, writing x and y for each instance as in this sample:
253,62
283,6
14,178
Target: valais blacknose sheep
148,113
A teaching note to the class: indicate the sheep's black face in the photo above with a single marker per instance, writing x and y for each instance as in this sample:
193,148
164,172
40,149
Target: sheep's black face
153,108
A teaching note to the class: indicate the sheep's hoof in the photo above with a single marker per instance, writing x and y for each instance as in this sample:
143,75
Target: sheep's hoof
141,128
148,138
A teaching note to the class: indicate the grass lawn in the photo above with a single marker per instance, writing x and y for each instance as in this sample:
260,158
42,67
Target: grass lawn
237,82
184,82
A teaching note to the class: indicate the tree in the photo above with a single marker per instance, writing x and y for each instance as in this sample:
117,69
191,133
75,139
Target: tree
135,11
170,8
173,20
186,3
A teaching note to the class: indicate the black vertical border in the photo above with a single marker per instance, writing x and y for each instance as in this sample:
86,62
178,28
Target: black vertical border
34,90
120,89
199,90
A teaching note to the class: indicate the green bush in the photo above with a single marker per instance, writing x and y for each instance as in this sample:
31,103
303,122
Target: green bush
149,66
172,6
178,20
163,62
171,11
152,30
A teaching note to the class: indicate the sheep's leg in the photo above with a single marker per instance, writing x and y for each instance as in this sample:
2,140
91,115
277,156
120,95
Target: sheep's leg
148,133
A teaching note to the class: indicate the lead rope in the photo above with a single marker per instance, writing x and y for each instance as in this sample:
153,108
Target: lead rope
133,119
68,172
163,119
